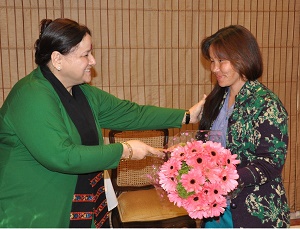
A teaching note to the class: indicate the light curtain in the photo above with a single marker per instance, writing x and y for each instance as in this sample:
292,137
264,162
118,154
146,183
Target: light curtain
147,51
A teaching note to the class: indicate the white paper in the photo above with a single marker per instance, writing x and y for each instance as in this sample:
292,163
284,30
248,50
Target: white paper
111,197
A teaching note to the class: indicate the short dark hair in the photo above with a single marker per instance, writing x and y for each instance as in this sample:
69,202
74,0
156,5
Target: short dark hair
60,35
236,44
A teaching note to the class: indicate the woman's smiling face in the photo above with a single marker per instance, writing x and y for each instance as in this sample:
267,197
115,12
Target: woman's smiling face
225,73
76,65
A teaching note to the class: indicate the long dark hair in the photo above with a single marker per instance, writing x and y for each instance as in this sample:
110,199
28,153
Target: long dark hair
236,44
60,35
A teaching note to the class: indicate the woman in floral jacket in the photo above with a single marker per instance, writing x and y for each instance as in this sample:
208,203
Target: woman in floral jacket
254,124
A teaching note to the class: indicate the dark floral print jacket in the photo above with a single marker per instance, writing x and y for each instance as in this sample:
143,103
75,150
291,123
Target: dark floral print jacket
258,134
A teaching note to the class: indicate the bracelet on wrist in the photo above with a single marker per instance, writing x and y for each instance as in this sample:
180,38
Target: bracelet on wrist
129,149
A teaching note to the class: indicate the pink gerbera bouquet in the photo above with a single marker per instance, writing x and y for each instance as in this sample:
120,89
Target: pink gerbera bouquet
198,176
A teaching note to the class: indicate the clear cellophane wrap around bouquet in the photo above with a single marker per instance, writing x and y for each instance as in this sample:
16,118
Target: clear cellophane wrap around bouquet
198,174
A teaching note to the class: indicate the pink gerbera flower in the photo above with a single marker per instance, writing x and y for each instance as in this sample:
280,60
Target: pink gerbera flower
167,183
216,208
175,198
193,180
194,147
196,206
170,168
213,148
197,160
228,179
211,172
229,160
179,153
213,191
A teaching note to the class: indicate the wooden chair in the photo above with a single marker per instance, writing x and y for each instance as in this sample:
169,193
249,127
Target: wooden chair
140,204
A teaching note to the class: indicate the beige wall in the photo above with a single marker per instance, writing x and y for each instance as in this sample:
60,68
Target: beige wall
148,50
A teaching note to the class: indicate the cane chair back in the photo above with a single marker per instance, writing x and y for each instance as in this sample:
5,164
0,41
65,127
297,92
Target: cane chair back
131,174
140,204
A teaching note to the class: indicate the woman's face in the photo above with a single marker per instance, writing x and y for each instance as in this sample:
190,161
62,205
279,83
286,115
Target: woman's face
76,65
226,75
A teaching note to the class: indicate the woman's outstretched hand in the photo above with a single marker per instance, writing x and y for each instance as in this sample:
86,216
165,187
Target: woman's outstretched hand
196,111
137,150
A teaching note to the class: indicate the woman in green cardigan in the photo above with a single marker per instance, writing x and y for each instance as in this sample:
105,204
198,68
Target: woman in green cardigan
52,154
